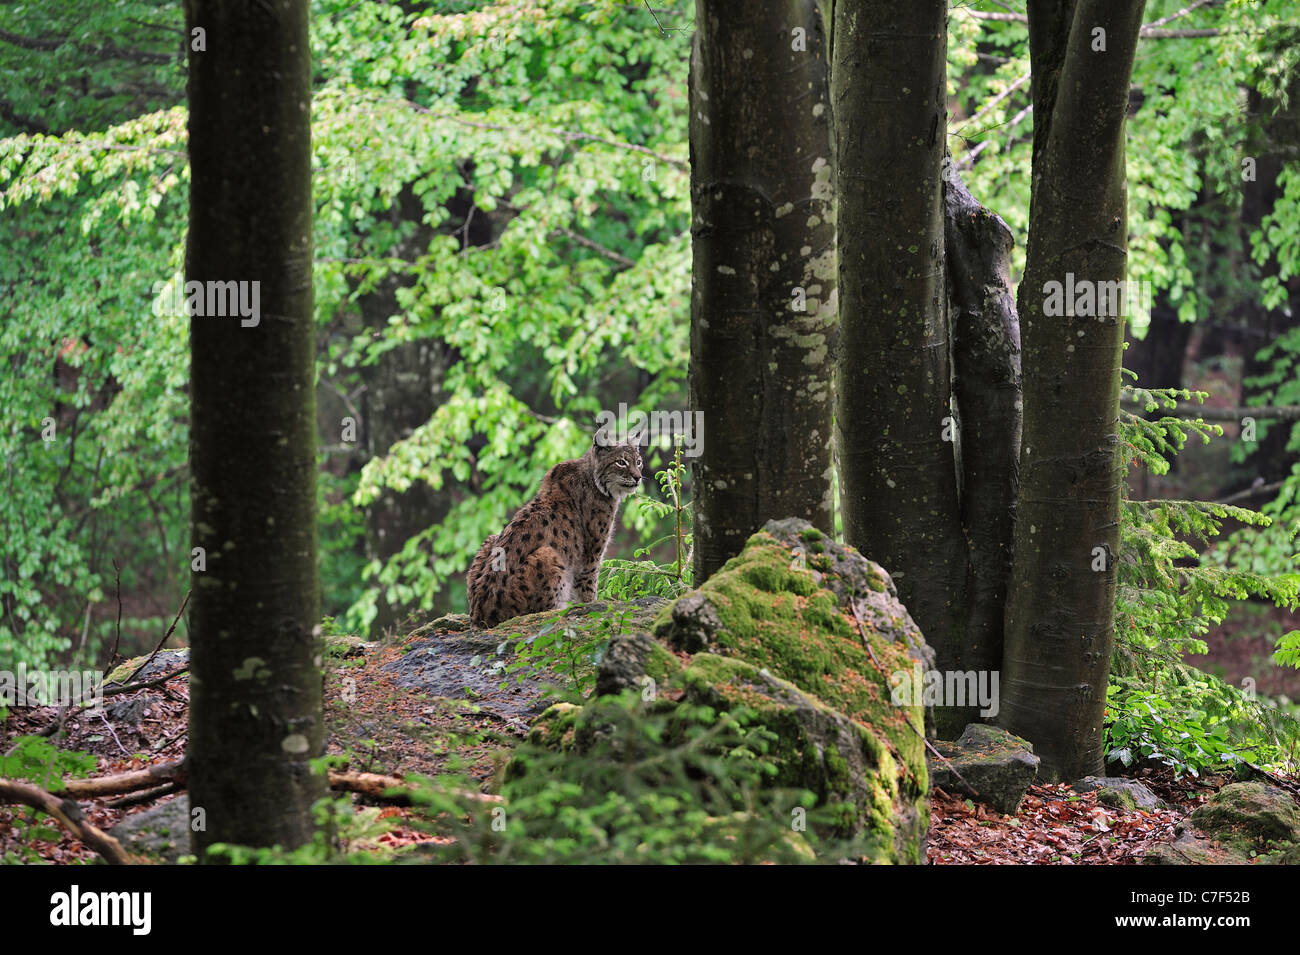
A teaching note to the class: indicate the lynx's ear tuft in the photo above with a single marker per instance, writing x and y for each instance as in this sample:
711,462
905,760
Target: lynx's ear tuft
635,438
602,438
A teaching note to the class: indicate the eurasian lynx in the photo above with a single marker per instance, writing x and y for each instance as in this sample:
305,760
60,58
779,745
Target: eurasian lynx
551,550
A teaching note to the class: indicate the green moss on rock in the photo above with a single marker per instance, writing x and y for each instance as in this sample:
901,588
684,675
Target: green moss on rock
1117,799
776,634
556,726
843,762
1251,814
762,608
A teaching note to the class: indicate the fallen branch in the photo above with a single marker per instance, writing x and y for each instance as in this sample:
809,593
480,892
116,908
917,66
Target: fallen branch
57,723
68,815
376,786
173,772
145,684
373,785
145,795
163,743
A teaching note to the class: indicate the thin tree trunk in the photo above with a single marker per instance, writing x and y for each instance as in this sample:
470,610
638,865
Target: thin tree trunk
763,308
986,384
897,472
404,387
255,712
1059,614
1275,144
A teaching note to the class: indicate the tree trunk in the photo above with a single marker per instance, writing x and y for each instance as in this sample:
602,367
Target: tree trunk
1059,614
1157,359
404,387
986,385
255,711
894,425
763,312
1275,147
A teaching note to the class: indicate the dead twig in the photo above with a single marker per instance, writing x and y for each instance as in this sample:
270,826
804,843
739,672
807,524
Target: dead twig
146,795
145,684
165,637
162,744
117,634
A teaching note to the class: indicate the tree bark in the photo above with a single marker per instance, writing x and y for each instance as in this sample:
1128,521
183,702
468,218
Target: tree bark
255,714
763,306
897,472
404,387
1059,614
1275,146
986,385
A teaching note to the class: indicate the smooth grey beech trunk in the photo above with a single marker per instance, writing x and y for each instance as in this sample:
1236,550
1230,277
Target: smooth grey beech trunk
255,683
894,414
1059,629
763,303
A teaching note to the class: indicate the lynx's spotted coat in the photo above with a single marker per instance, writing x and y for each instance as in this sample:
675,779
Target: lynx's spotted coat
551,550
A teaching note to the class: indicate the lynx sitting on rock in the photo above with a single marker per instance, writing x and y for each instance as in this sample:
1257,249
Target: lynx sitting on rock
551,550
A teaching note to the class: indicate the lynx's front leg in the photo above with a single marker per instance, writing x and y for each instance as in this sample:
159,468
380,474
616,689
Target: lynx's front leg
584,585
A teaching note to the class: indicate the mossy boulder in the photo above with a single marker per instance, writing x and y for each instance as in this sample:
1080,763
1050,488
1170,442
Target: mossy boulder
1240,822
732,828
783,609
345,646
847,765
1193,847
1250,816
164,662
804,634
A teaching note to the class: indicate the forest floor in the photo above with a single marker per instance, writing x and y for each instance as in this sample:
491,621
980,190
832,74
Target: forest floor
389,729
1058,826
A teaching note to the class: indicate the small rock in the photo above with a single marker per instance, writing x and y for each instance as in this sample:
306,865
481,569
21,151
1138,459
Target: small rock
128,712
453,622
1120,793
629,659
998,767
162,831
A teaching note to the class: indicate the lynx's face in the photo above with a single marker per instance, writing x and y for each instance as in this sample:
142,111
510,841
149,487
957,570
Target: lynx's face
618,469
